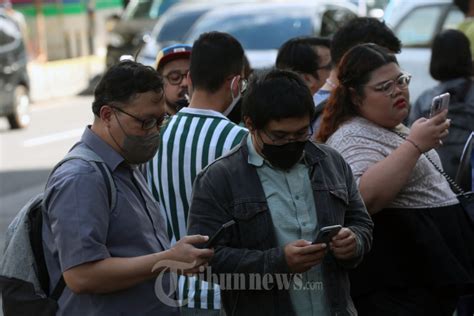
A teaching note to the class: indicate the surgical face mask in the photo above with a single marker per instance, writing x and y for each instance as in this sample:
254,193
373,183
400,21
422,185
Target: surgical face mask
138,149
235,100
284,156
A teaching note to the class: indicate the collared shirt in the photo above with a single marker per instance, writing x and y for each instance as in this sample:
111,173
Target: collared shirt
191,140
79,227
319,98
293,211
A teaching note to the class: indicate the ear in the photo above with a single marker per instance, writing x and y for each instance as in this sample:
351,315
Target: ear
355,97
190,85
248,123
105,114
234,85
188,79
310,81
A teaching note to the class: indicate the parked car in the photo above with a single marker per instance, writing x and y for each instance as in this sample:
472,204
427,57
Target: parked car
416,23
263,27
14,81
126,36
171,28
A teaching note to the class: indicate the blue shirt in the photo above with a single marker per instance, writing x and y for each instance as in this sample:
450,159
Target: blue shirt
291,203
80,227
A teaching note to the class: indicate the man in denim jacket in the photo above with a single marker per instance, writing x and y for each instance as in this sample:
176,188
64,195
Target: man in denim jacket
281,189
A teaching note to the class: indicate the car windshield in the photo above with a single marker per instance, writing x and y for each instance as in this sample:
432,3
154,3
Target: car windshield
10,35
176,26
257,30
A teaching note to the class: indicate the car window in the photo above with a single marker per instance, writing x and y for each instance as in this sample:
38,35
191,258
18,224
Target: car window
176,26
333,19
150,9
453,18
10,35
257,30
419,26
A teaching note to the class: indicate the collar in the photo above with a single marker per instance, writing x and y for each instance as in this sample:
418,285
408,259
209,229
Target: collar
202,112
254,158
111,158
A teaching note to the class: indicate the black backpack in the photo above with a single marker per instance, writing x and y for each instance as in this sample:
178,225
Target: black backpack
24,277
461,114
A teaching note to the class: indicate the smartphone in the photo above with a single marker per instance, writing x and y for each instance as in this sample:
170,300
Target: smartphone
218,235
326,233
439,103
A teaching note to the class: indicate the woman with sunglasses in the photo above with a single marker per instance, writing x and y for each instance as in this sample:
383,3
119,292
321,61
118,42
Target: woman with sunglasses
423,248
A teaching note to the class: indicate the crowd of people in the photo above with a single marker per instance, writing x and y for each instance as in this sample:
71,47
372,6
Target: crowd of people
317,142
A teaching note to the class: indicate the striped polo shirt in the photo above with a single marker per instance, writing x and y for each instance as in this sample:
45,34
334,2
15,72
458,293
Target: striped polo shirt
191,140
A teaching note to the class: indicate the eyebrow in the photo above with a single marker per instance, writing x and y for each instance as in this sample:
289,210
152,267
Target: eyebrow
382,82
286,132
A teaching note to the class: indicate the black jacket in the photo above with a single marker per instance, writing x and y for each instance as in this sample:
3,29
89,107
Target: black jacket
230,188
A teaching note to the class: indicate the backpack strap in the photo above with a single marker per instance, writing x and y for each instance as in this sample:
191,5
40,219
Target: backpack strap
98,163
58,289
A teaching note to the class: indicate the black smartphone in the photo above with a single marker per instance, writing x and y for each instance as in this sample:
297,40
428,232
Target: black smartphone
326,233
218,235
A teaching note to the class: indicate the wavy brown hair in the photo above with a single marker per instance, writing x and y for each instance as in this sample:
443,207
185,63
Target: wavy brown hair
354,71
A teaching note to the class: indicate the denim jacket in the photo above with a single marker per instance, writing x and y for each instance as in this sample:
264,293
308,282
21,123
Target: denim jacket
230,188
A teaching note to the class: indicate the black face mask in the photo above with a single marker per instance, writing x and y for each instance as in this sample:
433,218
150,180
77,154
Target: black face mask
283,156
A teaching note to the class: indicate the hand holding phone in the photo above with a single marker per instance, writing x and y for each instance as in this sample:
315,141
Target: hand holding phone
218,235
439,103
326,233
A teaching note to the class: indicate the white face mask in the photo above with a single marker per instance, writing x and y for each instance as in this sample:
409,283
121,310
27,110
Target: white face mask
234,99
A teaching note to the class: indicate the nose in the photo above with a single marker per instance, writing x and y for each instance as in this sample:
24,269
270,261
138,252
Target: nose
396,90
184,80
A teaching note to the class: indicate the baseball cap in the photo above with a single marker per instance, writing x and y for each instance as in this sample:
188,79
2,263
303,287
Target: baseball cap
172,52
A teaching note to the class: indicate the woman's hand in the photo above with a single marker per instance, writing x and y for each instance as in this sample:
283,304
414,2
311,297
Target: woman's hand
428,133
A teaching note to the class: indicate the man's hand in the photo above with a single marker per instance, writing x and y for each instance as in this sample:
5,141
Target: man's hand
192,258
344,244
301,255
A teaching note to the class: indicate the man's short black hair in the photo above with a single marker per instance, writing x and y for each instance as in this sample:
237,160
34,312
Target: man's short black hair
275,95
297,55
451,56
317,41
363,30
123,81
215,57
463,5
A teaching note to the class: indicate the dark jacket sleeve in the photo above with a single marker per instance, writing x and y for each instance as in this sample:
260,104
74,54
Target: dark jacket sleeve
211,206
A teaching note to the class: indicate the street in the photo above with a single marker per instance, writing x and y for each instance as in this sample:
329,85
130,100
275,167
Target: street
28,155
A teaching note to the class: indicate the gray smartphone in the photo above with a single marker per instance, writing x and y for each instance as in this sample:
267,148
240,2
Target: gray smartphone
439,103
218,235
326,233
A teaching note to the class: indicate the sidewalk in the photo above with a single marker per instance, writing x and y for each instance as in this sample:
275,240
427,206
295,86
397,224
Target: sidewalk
63,77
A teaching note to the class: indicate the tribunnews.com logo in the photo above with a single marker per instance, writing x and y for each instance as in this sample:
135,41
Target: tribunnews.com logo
166,284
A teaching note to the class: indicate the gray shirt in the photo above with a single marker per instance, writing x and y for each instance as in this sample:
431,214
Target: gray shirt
80,227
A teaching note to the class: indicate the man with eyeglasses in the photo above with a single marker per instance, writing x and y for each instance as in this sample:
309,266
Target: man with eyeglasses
310,57
195,137
281,189
106,253
172,63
